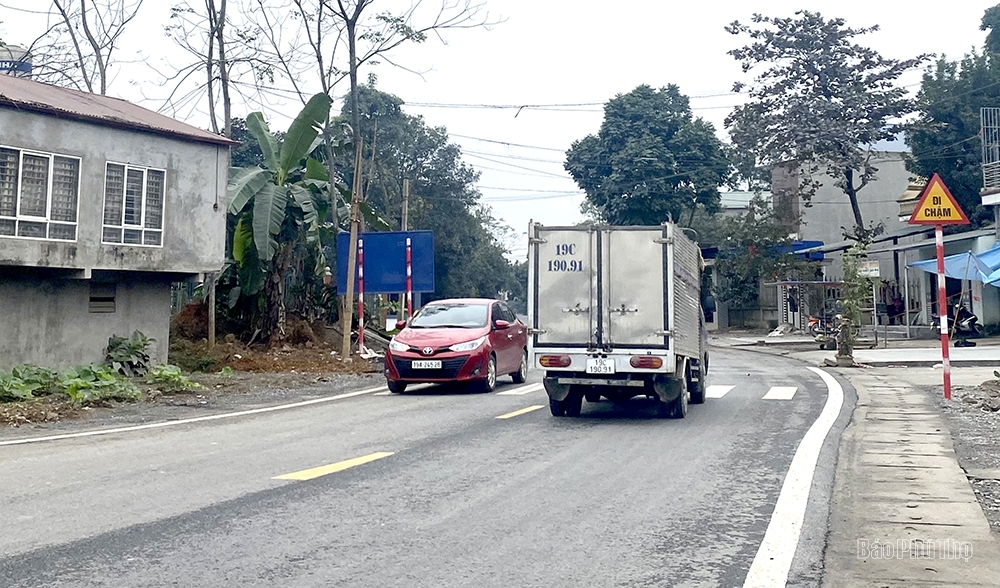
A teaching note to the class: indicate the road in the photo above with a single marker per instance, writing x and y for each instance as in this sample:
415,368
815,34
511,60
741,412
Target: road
429,488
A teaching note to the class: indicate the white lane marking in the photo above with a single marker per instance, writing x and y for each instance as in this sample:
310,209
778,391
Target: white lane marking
717,391
780,393
214,417
521,390
774,558
386,393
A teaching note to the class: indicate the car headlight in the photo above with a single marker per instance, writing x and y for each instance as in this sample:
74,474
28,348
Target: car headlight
397,346
468,346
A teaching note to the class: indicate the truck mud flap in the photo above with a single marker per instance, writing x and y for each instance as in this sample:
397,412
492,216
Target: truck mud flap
555,390
667,388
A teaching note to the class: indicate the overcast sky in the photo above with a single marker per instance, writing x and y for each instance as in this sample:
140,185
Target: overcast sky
566,52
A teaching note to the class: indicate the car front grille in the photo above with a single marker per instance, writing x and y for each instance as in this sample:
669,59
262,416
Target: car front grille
449,369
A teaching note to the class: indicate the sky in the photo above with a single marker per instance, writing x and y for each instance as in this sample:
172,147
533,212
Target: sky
561,60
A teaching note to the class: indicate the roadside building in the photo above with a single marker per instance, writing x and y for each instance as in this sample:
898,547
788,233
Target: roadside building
103,204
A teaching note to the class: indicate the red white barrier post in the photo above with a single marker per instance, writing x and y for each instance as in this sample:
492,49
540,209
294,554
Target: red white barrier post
361,294
409,280
936,206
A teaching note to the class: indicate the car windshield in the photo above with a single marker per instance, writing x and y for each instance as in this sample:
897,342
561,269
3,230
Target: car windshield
469,316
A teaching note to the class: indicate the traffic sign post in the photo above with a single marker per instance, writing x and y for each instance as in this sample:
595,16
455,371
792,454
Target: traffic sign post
936,206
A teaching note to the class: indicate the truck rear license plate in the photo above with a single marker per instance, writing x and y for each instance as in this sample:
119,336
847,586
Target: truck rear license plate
427,364
599,365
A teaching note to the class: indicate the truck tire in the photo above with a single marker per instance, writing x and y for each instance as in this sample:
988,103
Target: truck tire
573,402
697,389
557,408
679,407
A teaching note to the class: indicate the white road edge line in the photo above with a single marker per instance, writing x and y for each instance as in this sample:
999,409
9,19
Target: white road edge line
214,417
774,558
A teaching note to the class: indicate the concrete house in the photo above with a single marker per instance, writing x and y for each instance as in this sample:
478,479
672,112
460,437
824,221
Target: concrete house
103,204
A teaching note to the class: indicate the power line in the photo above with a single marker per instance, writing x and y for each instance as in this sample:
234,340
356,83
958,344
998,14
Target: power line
509,144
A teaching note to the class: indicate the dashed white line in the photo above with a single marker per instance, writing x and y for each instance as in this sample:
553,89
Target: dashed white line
774,558
780,393
521,390
716,391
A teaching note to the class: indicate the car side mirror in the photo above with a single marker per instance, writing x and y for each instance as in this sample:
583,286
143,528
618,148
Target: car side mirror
400,325
500,324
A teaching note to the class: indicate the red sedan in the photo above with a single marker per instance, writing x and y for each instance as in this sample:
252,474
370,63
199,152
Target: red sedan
460,340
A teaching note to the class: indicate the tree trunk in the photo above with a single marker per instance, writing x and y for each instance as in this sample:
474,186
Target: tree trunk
852,194
352,248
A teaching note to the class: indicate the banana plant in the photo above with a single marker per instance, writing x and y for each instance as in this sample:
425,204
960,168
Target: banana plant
276,207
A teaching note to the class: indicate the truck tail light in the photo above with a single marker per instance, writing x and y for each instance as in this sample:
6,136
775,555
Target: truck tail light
555,361
646,362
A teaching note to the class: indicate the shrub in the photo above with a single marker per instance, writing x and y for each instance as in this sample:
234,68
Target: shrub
97,384
170,378
129,356
26,381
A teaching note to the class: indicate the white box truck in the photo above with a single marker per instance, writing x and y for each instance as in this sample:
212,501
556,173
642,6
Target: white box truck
615,312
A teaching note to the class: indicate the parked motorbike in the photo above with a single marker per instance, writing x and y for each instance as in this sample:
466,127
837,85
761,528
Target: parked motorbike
821,325
966,326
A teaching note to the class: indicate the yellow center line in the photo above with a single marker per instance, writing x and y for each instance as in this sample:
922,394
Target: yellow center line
333,467
511,415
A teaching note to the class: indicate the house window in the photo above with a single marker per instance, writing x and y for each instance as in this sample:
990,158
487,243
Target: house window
133,205
39,195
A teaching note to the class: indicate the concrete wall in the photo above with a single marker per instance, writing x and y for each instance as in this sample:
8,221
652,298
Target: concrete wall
54,327
194,209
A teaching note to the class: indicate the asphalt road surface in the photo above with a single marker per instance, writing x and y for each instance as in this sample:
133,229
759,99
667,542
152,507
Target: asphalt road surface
430,488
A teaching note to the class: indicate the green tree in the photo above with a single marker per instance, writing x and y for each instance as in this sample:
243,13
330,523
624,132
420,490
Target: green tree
651,159
274,209
469,253
755,247
821,100
945,136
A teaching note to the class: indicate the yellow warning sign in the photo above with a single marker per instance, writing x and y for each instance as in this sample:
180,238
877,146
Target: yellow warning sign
937,206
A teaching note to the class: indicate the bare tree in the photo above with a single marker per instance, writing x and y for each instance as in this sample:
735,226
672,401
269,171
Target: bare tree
78,46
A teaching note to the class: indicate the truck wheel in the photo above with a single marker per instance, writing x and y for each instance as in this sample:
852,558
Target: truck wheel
697,389
396,387
574,402
680,406
557,408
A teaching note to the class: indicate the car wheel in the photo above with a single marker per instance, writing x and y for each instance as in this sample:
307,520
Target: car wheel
396,387
488,383
522,373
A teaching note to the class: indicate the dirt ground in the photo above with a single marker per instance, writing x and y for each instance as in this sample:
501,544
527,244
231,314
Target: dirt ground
974,419
255,377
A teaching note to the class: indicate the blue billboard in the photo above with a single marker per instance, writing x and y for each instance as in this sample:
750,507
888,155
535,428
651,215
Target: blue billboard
385,261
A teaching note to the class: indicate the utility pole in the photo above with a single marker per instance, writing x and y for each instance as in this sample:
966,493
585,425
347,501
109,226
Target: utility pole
352,255
406,204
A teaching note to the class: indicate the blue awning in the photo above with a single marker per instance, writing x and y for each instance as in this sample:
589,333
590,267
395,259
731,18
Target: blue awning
982,267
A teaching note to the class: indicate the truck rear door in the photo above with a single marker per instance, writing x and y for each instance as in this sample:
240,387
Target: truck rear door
564,286
634,290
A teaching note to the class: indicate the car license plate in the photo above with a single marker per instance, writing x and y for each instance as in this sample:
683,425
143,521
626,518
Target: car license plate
427,364
599,365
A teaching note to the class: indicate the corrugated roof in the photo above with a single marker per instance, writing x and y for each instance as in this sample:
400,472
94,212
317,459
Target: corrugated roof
28,94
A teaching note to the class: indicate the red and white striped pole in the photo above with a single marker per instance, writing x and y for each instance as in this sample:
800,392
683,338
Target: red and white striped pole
409,280
361,294
943,308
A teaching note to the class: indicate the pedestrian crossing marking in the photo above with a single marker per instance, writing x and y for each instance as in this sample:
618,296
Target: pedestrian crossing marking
717,391
780,393
521,390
